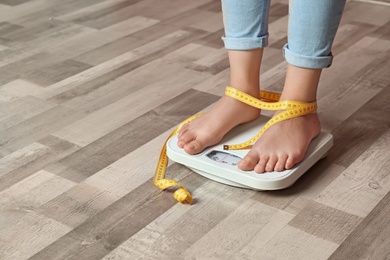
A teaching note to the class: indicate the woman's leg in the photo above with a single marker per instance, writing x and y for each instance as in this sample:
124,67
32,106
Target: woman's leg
312,28
246,34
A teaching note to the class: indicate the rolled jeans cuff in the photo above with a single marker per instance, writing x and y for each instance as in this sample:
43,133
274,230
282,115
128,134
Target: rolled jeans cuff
310,62
245,43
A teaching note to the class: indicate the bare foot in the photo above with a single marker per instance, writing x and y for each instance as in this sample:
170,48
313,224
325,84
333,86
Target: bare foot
210,128
283,145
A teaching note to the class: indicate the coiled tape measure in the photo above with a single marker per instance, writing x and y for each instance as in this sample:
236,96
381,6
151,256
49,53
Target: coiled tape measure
267,101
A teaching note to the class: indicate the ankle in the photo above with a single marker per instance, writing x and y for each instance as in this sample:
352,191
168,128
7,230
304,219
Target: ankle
248,88
245,70
293,94
301,84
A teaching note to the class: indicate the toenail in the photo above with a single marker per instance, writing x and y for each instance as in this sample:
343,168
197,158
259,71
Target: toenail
191,146
258,171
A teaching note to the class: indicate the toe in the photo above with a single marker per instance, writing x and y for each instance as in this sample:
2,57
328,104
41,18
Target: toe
292,159
260,167
248,162
280,164
270,166
185,138
194,147
183,130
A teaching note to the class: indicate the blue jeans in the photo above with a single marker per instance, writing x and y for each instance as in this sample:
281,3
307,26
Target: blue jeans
312,27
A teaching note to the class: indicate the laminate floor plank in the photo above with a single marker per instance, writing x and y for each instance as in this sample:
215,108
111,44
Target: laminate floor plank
27,195
119,65
53,73
13,70
350,33
112,226
160,11
49,43
13,3
95,95
367,180
2,47
382,32
202,20
91,8
132,170
76,205
127,137
32,233
18,89
132,25
325,222
22,10
105,15
345,60
75,46
277,30
90,90
56,150
277,11
121,110
212,40
41,9
35,29
293,243
237,235
356,134
124,44
370,239
307,188
357,90
19,110
6,27
363,9
21,157
37,127
40,58
178,228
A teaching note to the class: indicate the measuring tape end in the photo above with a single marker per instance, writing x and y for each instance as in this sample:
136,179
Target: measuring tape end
183,196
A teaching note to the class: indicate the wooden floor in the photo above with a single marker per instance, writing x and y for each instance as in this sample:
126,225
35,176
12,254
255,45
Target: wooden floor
89,90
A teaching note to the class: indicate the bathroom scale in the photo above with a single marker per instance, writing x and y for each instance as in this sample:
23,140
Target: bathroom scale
220,165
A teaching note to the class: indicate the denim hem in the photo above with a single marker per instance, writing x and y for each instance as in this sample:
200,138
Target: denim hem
245,43
311,62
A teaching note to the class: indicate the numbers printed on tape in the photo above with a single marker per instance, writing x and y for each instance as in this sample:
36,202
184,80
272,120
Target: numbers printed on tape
267,101
291,109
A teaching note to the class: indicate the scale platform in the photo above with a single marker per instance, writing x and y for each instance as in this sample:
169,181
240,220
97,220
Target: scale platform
221,166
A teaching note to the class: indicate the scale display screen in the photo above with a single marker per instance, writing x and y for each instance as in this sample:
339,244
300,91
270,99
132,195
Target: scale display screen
223,157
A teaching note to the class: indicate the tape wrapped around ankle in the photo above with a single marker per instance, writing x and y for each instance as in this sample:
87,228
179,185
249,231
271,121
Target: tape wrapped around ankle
270,102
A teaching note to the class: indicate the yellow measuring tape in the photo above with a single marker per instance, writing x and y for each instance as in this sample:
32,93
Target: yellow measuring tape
181,195
291,109
267,101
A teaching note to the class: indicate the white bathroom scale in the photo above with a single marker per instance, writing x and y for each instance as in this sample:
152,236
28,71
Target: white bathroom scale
221,166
